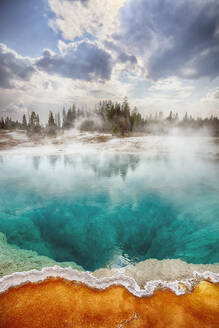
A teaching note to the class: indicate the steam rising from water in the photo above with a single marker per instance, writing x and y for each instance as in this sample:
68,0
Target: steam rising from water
104,205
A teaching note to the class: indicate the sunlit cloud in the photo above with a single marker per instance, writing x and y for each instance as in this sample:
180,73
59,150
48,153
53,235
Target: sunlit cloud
76,18
154,52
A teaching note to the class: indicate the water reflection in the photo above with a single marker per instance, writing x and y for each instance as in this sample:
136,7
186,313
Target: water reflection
36,162
111,209
114,165
111,165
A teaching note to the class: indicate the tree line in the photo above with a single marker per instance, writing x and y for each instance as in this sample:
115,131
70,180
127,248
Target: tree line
110,117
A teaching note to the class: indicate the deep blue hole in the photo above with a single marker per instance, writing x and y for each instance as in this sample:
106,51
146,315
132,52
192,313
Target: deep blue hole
109,214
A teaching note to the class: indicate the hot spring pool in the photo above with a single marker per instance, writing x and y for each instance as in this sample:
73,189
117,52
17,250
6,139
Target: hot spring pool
108,210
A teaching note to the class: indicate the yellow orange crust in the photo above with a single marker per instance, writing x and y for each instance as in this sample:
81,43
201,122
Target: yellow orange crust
57,303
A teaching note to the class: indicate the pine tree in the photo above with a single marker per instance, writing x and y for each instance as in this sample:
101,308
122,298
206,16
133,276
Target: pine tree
170,117
51,121
24,121
37,120
2,123
58,120
125,107
33,119
185,118
63,117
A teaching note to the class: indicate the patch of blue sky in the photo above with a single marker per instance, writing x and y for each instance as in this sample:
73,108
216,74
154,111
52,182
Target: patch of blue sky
24,27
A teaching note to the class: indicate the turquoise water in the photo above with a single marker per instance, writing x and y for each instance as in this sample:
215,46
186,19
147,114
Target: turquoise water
110,210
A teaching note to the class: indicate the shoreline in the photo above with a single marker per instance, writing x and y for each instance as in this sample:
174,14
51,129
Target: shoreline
21,265
105,280
73,142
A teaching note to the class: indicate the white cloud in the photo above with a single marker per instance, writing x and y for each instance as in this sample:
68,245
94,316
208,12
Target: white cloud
212,96
75,18
46,92
83,60
14,109
13,67
180,88
173,38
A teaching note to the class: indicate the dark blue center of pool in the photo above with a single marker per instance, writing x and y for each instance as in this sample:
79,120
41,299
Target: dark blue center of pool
110,210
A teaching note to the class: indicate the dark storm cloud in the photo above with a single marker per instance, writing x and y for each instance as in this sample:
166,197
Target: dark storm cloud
84,62
13,67
174,37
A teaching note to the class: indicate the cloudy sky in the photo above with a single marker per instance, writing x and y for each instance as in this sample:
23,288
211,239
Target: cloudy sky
162,54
